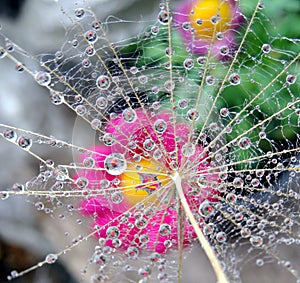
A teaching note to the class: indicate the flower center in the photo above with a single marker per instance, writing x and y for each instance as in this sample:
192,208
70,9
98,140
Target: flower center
141,180
206,14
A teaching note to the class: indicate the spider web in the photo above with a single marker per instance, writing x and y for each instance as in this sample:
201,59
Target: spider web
226,122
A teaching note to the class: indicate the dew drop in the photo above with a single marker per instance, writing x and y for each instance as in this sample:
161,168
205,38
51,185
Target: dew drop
148,144
188,64
164,17
51,258
101,102
112,232
129,115
291,79
221,237
165,229
115,164
25,143
10,135
103,82
206,209
117,197
244,143
132,252
42,78
193,115
91,36
266,48
160,126
234,79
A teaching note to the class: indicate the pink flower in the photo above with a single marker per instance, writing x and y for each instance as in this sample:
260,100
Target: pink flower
197,20
135,207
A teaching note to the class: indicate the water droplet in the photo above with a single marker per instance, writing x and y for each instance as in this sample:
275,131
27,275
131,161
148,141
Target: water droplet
91,36
10,135
51,258
141,222
206,209
103,82
42,78
108,139
148,144
112,232
90,51
182,103
266,48
25,143
193,115
132,252
165,229
188,64
160,126
79,13
224,50
95,124
256,241
117,197
201,60
224,112
221,237
3,52
101,102
56,98
245,232
129,115
169,85
234,79
210,80
244,143
164,17
291,79
115,164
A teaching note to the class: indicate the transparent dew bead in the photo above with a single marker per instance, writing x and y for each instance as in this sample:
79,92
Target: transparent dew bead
259,262
208,229
206,209
39,205
3,52
244,143
95,124
115,164
256,241
101,102
148,144
182,103
103,82
56,98
165,229
224,50
10,135
144,271
141,222
51,258
234,79
266,48
224,112
193,115
42,78
144,239
4,195
132,252
117,197
164,17
108,139
169,85
188,64
157,154
91,36
221,237
201,60
79,13
20,67
90,51
154,30
231,197
291,79
129,115
112,232
245,232
89,162
210,80
82,182
160,126
25,143
80,110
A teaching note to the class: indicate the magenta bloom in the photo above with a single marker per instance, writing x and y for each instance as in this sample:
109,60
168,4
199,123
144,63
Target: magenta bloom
135,206
197,19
